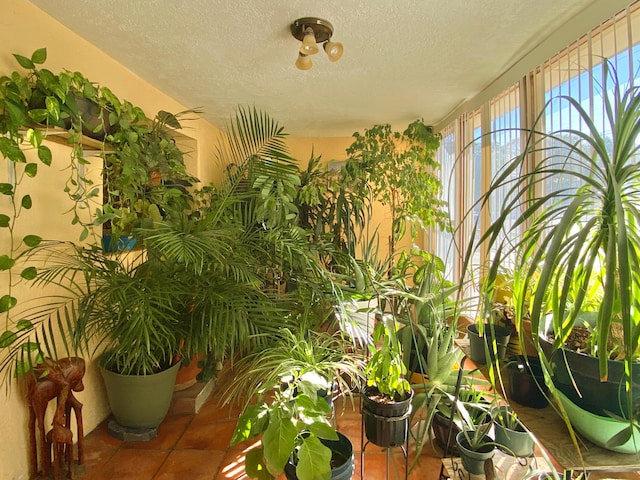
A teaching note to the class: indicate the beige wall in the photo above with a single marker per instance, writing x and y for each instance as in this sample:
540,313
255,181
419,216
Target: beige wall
23,29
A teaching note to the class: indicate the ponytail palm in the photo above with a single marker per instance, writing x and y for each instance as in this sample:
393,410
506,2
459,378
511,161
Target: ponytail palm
579,210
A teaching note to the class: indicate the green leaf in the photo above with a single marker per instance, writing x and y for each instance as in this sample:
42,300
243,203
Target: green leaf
84,234
39,56
32,240
10,149
7,338
7,302
255,466
53,107
29,273
317,407
4,220
30,347
26,202
22,368
620,438
245,426
31,169
6,189
38,115
6,262
323,430
24,61
44,154
278,441
314,460
23,325
35,137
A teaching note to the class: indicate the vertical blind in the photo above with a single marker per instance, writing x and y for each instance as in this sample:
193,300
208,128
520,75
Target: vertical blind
479,143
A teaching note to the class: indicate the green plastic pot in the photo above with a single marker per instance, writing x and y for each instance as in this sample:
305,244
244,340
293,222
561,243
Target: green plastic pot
140,401
473,461
598,429
517,442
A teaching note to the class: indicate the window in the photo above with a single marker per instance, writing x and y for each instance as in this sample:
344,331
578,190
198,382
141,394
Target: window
479,143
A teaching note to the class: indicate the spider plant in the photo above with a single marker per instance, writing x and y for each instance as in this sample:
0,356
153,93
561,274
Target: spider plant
294,354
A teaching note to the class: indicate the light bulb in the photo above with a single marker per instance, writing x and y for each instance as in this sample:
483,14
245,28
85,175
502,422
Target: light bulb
309,45
334,50
304,62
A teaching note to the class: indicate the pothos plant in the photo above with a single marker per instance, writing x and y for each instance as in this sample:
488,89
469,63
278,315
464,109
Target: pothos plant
36,103
291,425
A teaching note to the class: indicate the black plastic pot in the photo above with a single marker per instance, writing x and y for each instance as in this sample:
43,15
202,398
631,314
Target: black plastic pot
386,424
588,392
526,382
342,460
479,344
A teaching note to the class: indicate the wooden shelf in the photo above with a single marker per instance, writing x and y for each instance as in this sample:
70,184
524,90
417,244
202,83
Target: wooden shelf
551,432
61,136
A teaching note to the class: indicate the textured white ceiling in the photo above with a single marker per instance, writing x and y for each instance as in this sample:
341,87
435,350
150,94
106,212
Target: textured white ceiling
403,59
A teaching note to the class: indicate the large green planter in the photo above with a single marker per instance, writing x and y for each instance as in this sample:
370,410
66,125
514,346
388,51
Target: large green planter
598,429
140,401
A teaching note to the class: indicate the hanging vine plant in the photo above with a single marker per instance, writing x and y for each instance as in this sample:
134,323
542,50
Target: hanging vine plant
37,105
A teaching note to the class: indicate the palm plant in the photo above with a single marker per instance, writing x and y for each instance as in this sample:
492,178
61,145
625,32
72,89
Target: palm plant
218,257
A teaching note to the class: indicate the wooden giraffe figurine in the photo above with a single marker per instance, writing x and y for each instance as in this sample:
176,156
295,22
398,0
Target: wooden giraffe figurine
49,380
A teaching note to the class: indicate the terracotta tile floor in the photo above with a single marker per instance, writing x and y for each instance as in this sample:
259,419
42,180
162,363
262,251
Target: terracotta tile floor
196,447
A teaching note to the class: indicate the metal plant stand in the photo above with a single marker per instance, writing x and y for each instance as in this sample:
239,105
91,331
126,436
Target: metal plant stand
405,447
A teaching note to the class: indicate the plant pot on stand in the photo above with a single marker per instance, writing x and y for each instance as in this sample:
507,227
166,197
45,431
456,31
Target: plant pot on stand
386,423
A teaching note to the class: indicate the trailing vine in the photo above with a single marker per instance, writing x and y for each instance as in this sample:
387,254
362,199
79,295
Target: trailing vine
36,106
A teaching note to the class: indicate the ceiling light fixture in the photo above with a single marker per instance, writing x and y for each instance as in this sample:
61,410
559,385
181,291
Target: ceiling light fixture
312,31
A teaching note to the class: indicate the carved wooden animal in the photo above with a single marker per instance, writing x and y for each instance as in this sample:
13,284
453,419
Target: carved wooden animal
60,443
51,380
